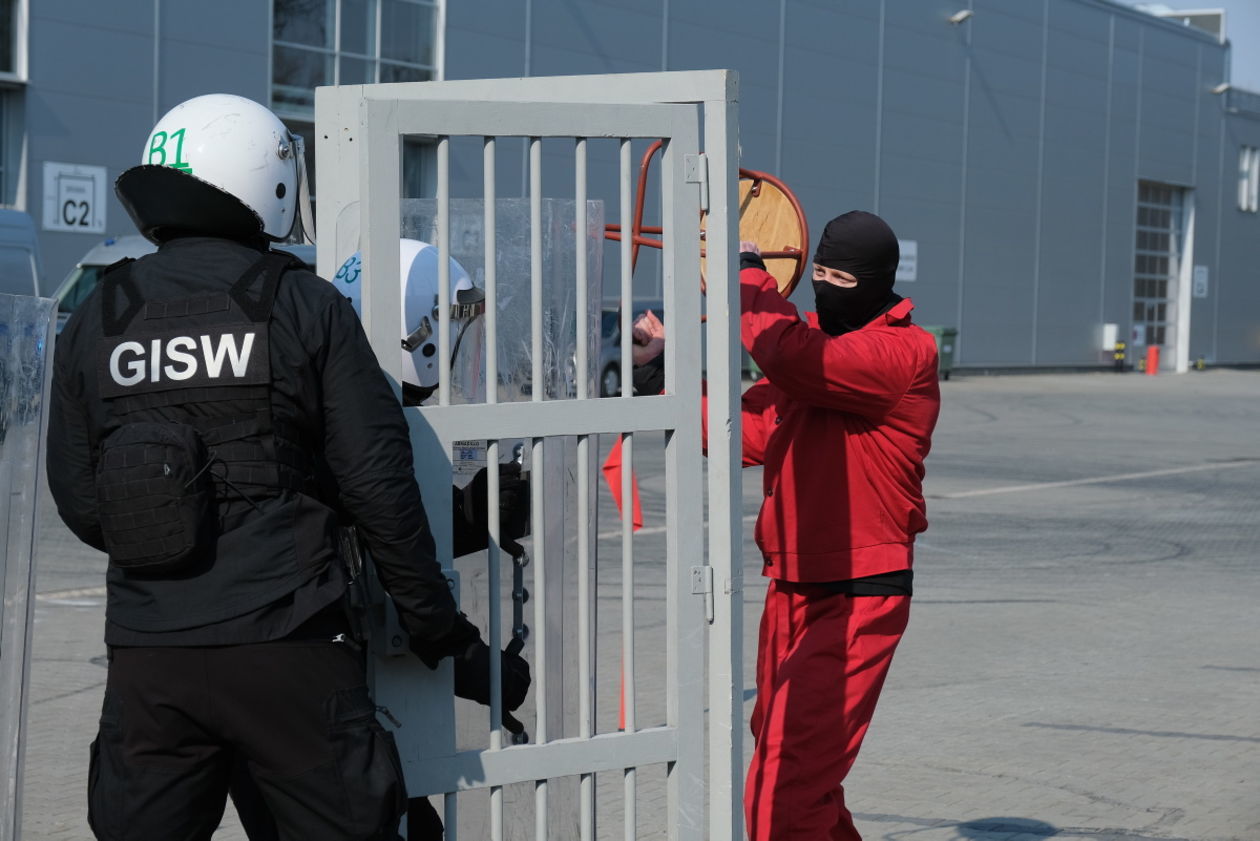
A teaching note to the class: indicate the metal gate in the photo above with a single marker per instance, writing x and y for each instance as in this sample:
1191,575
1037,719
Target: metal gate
360,133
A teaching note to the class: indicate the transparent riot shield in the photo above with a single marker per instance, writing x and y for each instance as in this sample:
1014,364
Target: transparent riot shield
514,342
26,341
538,617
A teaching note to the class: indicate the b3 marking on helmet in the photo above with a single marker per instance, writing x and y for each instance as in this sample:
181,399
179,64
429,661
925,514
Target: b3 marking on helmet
236,355
157,149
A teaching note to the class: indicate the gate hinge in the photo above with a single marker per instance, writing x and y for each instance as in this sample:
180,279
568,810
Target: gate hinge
696,171
702,584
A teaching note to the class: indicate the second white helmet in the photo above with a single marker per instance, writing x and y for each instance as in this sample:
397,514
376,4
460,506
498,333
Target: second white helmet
418,271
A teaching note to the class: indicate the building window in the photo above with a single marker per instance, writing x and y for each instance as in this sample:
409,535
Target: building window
1249,179
13,14
347,42
12,81
1157,257
351,42
5,174
8,33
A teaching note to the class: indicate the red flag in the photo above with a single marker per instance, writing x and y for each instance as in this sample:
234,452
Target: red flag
612,475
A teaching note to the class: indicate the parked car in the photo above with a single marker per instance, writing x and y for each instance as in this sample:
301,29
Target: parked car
610,342
83,278
87,273
20,267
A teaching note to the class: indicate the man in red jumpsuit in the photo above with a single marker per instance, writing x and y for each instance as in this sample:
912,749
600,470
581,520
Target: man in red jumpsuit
842,423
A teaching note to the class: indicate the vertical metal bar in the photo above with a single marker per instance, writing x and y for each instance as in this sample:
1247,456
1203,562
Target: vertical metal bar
380,177
586,681
538,389
376,43
492,283
541,690
540,810
527,71
444,269
586,807
580,225
494,555
442,529
627,577
627,490
685,614
627,270
631,810
722,364
538,385
336,44
495,630
439,48
450,817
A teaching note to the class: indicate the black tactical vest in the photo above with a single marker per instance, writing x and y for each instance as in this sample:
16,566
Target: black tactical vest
192,433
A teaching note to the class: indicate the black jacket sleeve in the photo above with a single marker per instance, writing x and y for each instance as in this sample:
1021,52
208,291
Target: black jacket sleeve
71,477
368,449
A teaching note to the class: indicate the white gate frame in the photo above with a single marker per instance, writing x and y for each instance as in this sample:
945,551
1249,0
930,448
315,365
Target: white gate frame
367,123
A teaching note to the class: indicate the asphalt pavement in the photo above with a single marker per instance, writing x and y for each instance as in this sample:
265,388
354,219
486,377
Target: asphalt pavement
1083,657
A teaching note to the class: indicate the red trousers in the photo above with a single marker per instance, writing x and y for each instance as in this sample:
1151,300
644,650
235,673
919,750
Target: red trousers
821,661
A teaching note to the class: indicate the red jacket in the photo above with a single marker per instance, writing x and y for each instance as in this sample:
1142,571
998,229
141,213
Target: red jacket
842,425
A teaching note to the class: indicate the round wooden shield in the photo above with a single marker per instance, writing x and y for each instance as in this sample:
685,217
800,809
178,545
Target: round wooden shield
770,216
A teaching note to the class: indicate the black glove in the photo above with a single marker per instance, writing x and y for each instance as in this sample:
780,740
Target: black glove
649,378
423,823
472,675
513,506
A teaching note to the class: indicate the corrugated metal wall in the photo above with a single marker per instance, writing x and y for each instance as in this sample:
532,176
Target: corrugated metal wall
91,97
1009,147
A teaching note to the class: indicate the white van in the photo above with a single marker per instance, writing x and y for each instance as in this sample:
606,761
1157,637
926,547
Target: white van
20,267
84,277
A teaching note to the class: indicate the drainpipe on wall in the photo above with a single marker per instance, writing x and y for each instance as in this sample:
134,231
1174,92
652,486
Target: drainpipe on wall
157,57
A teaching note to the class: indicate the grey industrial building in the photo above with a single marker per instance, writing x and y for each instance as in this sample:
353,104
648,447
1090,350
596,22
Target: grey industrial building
1054,166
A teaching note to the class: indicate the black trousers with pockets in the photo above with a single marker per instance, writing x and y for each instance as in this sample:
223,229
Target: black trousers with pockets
297,713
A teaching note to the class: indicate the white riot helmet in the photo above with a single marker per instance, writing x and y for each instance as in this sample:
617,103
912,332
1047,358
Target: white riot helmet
208,156
418,270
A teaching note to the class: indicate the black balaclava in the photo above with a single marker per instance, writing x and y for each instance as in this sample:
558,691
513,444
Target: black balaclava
863,245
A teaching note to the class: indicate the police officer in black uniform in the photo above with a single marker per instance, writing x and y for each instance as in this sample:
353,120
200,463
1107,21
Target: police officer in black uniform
216,413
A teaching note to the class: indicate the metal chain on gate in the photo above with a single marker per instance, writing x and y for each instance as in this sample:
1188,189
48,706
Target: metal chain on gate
520,595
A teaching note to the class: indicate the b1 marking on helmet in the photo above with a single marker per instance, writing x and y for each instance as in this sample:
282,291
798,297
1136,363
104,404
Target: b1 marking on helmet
224,356
157,149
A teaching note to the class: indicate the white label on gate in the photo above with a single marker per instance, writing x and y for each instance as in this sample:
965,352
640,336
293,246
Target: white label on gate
74,198
467,457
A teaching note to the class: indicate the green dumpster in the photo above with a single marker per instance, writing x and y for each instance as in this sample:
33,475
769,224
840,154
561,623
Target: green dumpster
945,338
